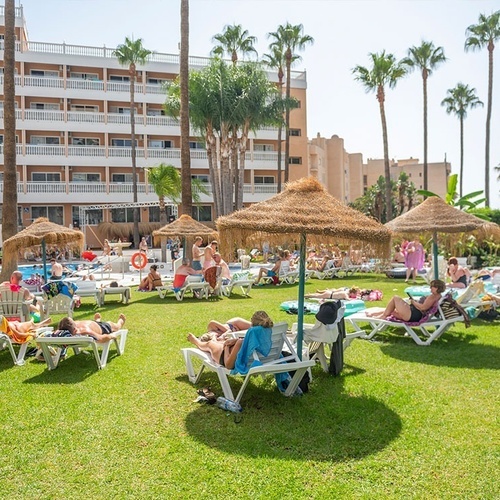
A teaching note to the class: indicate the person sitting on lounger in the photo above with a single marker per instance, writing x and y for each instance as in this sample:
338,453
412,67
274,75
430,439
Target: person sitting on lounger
225,272
15,285
413,311
183,271
151,281
459,275
21,331
225,352
274,271
101,331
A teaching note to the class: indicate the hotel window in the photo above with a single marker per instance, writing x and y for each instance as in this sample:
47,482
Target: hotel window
153,143
84,141
122,143
263,147
84,76
44,105
38,139
83,177
295,132
45,74
365,180
155,112
93,216
54,214
121,178
420,174
119,78
202,213
120,110
196,145
157,81
295,160
263,179
84,107
45,177
122,215
1,139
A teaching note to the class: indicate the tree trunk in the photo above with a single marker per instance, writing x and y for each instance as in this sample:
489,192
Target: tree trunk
488,126
461,154
132,71
426,172
226,181
213,171
387,168
9,206
187,195
287,115
280,131
163,222
241,172
234,169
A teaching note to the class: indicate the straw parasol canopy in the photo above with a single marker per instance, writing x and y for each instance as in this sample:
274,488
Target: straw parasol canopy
185,226
434,216
303,209
42,232
124,230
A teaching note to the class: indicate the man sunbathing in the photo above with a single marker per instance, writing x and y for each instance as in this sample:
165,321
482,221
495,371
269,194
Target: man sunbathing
21,331
101,331
330,293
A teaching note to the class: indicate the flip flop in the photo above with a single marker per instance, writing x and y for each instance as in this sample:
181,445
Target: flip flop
207,393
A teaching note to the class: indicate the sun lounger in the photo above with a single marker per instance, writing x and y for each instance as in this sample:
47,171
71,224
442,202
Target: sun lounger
430,327
193,284
270,364
100,350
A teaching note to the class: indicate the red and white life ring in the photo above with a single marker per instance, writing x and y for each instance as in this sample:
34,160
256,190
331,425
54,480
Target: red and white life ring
139,260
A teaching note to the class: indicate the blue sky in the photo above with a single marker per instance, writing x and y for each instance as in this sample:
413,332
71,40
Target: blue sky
344,33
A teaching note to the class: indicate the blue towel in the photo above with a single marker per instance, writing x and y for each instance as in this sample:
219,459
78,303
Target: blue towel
257,339
54,288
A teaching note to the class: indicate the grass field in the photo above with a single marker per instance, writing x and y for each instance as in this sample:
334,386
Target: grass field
402,421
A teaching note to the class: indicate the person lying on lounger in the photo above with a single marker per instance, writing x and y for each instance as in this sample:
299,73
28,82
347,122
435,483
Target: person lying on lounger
217,330
225,352
21,331
342,293
414,310
101,331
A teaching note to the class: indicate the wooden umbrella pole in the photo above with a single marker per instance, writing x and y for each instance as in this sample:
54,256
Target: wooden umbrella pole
302,276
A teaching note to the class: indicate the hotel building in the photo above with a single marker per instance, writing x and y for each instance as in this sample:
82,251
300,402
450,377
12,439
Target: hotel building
73,135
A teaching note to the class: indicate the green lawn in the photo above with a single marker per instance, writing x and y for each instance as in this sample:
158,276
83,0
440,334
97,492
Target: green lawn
401,421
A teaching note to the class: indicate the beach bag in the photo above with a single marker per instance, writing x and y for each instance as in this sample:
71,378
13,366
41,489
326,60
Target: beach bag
451,309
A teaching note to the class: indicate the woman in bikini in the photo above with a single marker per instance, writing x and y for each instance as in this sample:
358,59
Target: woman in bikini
412,311
151,281
225,352
330,293
459,275
216,330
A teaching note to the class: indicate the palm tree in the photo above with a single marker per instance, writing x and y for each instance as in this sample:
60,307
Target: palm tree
187,196
459,100
131,53
427,57
291,39
485,34
276,59
9,208
385,71
233,40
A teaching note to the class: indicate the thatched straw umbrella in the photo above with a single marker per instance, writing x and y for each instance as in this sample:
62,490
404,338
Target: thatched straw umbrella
41,232
434,216
303,208
185,227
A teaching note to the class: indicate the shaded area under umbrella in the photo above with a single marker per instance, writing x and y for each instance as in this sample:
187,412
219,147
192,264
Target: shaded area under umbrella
435,216
304,210
185,227
43,232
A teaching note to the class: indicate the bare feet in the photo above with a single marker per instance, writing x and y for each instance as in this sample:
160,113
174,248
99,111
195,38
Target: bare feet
45,322
97,317
191,338
122,317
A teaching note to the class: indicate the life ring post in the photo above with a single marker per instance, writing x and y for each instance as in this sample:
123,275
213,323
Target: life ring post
139,260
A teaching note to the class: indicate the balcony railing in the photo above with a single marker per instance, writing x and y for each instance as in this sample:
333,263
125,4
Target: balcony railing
126,152
116,188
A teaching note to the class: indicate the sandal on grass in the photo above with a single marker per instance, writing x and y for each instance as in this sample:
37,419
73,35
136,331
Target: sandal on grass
207,393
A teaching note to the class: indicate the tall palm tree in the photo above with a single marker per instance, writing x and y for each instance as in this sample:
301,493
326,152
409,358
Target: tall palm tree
384,71
233,40
426,57
485,34
9,208
291,38
187,196
131,53
276,59
459,100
